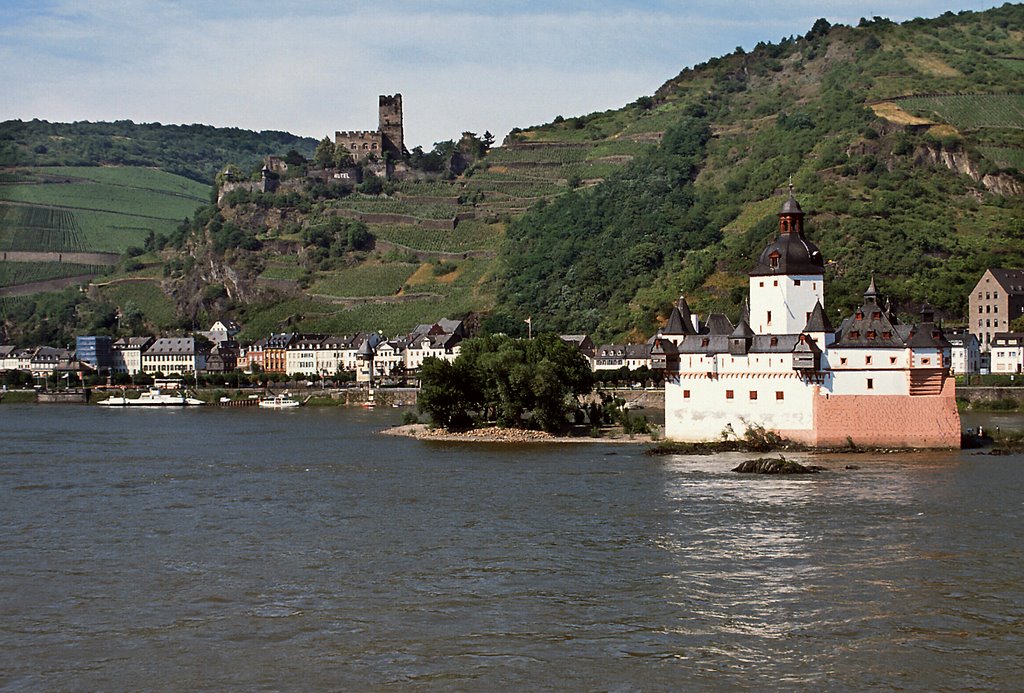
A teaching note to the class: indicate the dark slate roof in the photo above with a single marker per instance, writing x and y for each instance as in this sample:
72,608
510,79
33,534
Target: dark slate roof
742,331
719,344
871,326
818,322
638,351
791,206
663,346
675,322
928,335
796,255
1012,280
680,320
718,323
790,252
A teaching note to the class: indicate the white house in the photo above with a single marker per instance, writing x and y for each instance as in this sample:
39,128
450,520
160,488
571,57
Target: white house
966,359
1007,353
173,356
127,352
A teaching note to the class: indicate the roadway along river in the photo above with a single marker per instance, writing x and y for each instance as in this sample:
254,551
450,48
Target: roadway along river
263,550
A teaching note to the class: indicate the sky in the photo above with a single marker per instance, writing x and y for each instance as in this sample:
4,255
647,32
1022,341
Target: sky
317,66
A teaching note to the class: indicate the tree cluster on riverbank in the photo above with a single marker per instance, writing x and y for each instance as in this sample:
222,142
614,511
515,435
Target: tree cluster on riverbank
517,383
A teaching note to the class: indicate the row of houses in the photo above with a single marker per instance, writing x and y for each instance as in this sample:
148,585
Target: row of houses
368,355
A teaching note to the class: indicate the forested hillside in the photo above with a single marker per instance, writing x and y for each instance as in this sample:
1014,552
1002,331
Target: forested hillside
198,152
924,192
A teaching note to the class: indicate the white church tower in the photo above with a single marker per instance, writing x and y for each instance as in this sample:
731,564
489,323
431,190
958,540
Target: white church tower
789,278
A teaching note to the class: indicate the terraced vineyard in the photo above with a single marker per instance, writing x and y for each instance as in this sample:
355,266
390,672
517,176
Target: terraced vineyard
104,209
365,280
14,273
970,111
39,229
468,235
373,205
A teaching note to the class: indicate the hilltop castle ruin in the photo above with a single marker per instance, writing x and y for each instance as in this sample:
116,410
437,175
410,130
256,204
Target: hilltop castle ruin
389,137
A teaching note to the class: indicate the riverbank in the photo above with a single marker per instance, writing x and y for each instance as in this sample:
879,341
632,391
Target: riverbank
497,434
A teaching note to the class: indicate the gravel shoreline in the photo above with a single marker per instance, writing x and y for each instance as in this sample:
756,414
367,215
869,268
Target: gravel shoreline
495,434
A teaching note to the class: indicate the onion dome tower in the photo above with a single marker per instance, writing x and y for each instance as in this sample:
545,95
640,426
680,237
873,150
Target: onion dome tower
789,277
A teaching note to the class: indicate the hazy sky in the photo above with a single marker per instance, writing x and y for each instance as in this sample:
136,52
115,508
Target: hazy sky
317,66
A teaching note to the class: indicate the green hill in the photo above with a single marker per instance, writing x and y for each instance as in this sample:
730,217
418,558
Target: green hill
198,152
904,143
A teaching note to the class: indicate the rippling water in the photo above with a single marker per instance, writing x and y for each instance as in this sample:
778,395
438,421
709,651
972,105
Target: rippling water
299,550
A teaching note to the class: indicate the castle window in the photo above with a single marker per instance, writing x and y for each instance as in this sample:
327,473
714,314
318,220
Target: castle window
365,145
773,261
704,341
842,361
373,146
686,394
867,360
769,317
780,395
775,341
926,361
854,334
775,283
871,383
871,334
892,360
728,394
355,146
761,284
796,282
877,315
888,335
753,394
859,316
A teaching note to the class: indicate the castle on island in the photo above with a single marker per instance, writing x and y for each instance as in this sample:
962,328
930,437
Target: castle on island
874,381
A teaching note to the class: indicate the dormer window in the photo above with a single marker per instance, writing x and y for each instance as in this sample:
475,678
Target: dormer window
859,315
886,334
855,334
871,334
704,342
877,315
773,260
775,341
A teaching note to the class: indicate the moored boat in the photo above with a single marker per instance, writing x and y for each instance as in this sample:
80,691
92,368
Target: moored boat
154,398
279,402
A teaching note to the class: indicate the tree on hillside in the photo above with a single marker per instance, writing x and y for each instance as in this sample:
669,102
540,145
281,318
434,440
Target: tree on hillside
324,154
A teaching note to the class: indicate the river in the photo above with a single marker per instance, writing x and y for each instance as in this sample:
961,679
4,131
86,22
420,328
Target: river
301,550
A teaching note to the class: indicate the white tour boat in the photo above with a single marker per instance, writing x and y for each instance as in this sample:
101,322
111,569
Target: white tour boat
279,402
154,398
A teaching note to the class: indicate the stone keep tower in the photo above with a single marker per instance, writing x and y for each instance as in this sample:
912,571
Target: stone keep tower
391,124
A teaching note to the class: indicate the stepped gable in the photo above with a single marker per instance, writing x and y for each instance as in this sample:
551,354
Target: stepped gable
871,325
790,253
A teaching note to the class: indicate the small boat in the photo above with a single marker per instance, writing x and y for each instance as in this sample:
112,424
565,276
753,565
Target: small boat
279,402
154,397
